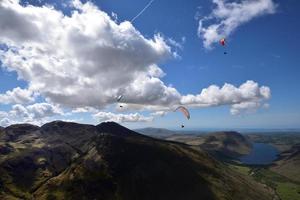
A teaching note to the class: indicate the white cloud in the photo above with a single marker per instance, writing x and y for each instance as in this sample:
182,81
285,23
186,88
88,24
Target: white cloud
159,113
3,114
228,94
114,16
19,111
248,95
247,107
120,118
5,122
85,60
227,16
17,95
42,110
237,109
85,110
176,44
37,113
155,71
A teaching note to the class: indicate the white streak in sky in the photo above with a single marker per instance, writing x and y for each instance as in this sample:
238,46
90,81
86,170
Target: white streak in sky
144,9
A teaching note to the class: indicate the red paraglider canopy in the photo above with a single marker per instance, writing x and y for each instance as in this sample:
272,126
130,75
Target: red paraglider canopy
223,41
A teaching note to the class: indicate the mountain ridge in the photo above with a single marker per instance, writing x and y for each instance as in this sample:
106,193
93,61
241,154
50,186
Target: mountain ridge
64,160
227,143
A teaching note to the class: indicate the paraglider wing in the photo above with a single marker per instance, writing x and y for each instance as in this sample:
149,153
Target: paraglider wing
223,41
119,98
185,111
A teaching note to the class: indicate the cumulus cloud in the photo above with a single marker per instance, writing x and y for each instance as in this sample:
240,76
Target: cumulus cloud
19,111
37,113
85,60
247,107
244,106
120,118
41,110
85,110
247,96
159,113
227,16
228,94
17,96
3,114
88,53
5,122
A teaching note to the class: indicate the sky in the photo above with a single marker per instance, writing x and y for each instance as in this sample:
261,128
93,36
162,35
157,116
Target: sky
71,60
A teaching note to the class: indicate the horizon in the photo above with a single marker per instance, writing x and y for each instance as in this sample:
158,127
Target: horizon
134,62
188,130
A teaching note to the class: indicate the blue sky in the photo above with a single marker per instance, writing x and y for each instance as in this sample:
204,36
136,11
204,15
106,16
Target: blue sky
265,49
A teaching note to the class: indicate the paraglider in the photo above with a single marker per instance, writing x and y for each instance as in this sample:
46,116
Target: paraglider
223,43
119,99
185,112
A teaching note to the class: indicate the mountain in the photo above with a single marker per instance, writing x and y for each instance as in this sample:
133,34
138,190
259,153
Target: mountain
282,141
63,160
229,144
156,132
288,163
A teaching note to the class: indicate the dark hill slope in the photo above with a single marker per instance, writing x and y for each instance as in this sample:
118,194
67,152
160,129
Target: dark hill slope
228,144
288,163
156,132
110,162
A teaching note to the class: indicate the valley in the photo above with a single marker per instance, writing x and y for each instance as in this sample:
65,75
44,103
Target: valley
279,167
64,160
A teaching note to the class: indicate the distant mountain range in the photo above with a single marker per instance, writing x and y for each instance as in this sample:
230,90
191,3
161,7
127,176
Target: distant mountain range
227,144
224,143
158,132
63,160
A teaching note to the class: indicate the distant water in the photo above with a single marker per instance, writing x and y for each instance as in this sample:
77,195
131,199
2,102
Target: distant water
261,154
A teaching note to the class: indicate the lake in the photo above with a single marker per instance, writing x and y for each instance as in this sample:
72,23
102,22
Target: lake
261,154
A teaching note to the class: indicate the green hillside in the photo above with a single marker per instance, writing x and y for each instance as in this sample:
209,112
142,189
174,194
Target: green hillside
73,161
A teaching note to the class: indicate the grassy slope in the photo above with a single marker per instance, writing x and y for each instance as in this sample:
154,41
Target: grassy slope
288,163
284,175
285,188
72,162
289,169
282,141
148,173
286,183
222,144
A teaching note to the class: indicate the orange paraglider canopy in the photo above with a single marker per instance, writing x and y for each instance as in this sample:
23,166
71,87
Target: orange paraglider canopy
184,111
